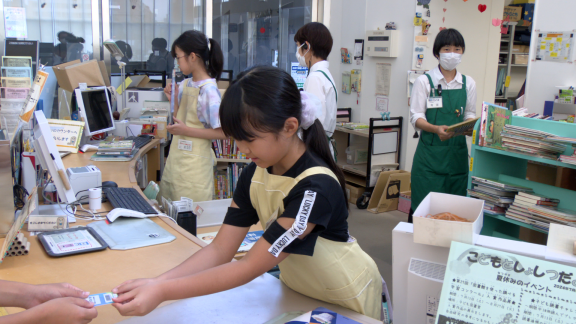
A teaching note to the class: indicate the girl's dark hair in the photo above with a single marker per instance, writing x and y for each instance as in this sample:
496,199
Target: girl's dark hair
193,41
319,38
448,37
262,98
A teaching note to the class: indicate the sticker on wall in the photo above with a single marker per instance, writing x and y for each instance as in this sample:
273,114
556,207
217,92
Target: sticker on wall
482,7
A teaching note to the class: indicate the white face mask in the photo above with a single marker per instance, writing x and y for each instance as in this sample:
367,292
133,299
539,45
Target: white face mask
449,61
301,58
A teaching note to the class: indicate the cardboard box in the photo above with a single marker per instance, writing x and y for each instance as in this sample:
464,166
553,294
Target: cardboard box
441,232
515,13
387,190
71,74
353,192
519,58
520,49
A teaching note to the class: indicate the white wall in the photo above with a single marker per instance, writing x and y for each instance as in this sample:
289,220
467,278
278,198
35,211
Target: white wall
351,18
549,15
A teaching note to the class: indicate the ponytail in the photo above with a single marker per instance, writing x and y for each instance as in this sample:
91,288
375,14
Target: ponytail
215,60
193,41
317,142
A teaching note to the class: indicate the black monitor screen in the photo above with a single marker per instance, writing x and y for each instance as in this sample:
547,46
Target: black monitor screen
22,48
97,110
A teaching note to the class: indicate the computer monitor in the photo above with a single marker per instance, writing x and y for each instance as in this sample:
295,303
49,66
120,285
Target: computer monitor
94,106
46,54
15,47
47,153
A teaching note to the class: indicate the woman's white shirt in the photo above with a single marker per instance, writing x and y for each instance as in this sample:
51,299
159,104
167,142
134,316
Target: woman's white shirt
317,84
421,92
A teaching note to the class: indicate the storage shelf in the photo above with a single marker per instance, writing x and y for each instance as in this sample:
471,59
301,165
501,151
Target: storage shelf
526,157
359,132
515,222
234,160
523,65
358,169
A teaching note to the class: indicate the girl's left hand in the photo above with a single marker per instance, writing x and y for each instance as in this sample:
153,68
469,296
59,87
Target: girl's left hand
140,301
178,128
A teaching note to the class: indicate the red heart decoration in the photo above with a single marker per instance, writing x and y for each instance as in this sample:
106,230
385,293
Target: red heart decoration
444,9
443,19
442,28
445,0
482,7
465,0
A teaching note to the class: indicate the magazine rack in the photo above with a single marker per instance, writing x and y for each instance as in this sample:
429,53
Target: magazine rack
511,167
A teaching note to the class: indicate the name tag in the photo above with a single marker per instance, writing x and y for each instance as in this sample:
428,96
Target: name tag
185,145
434,102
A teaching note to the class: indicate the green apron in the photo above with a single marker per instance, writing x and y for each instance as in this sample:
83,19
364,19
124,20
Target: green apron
441,166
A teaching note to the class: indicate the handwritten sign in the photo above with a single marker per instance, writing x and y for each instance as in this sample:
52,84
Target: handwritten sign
488,286
66,134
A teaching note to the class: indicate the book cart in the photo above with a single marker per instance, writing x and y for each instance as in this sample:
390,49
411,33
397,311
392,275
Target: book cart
383,138
511,167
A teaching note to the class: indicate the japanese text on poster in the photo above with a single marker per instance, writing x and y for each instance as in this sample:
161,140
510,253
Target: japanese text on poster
383,72
487,286
555,46
299,74
66,133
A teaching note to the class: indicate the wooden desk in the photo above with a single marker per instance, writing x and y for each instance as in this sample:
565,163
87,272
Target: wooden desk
101,271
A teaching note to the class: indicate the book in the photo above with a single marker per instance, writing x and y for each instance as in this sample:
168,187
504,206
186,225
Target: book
248,242
463,127
355,80
530,202
17,61
496,119
538,197
16,82
501,184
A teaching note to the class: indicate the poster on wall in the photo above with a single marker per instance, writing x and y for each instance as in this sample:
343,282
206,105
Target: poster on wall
488,286
555,46
15,22
299,74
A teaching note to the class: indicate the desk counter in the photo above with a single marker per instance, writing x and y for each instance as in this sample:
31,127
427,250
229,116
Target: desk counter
99,272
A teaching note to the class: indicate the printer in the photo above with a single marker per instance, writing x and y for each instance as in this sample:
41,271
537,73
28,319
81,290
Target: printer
84,178
135,99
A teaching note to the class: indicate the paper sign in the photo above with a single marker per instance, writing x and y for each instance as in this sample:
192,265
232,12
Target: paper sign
127,82
67,134
560,246
17,72
555,46
15,22
101,299
16,82
299,74
383,72
488,286
33,96
507,83
16,61
382,103
421,39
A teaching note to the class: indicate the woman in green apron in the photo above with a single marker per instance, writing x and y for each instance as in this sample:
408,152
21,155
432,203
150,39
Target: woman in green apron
295,190
189,167
441,98
313,45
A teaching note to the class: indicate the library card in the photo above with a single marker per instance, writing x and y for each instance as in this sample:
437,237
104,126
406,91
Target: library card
101,299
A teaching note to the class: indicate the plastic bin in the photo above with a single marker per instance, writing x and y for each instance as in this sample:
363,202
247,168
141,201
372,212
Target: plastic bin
356,155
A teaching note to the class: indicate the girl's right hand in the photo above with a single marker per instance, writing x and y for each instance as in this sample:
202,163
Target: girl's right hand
168,91
65,310
129,285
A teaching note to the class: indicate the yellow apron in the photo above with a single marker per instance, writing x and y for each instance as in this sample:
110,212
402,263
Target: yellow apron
339,272
189,168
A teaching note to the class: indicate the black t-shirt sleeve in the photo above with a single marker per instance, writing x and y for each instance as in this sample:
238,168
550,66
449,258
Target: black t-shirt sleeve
245,215
299,206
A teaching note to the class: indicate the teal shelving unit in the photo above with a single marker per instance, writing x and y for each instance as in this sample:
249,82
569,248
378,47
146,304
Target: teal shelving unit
511,167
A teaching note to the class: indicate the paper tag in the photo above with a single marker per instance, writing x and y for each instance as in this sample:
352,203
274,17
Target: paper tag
83,86
101,299
474,137
471,164
198,210
507,83
184,145
434,102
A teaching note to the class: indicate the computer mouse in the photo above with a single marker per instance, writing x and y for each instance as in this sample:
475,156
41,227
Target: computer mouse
122,212
109,184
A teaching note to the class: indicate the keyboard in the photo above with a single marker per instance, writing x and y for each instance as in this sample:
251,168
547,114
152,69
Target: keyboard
139,142
128,198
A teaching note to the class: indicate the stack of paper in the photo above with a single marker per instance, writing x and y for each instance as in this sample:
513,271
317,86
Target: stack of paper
497,195
120,151
16,82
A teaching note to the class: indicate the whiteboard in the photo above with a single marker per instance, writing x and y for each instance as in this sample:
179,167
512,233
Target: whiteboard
385,143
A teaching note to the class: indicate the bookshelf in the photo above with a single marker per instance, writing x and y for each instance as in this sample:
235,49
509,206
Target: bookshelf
517,72
512,167
222,160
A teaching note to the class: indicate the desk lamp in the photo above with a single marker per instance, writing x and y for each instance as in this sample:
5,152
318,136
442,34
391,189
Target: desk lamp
115,51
